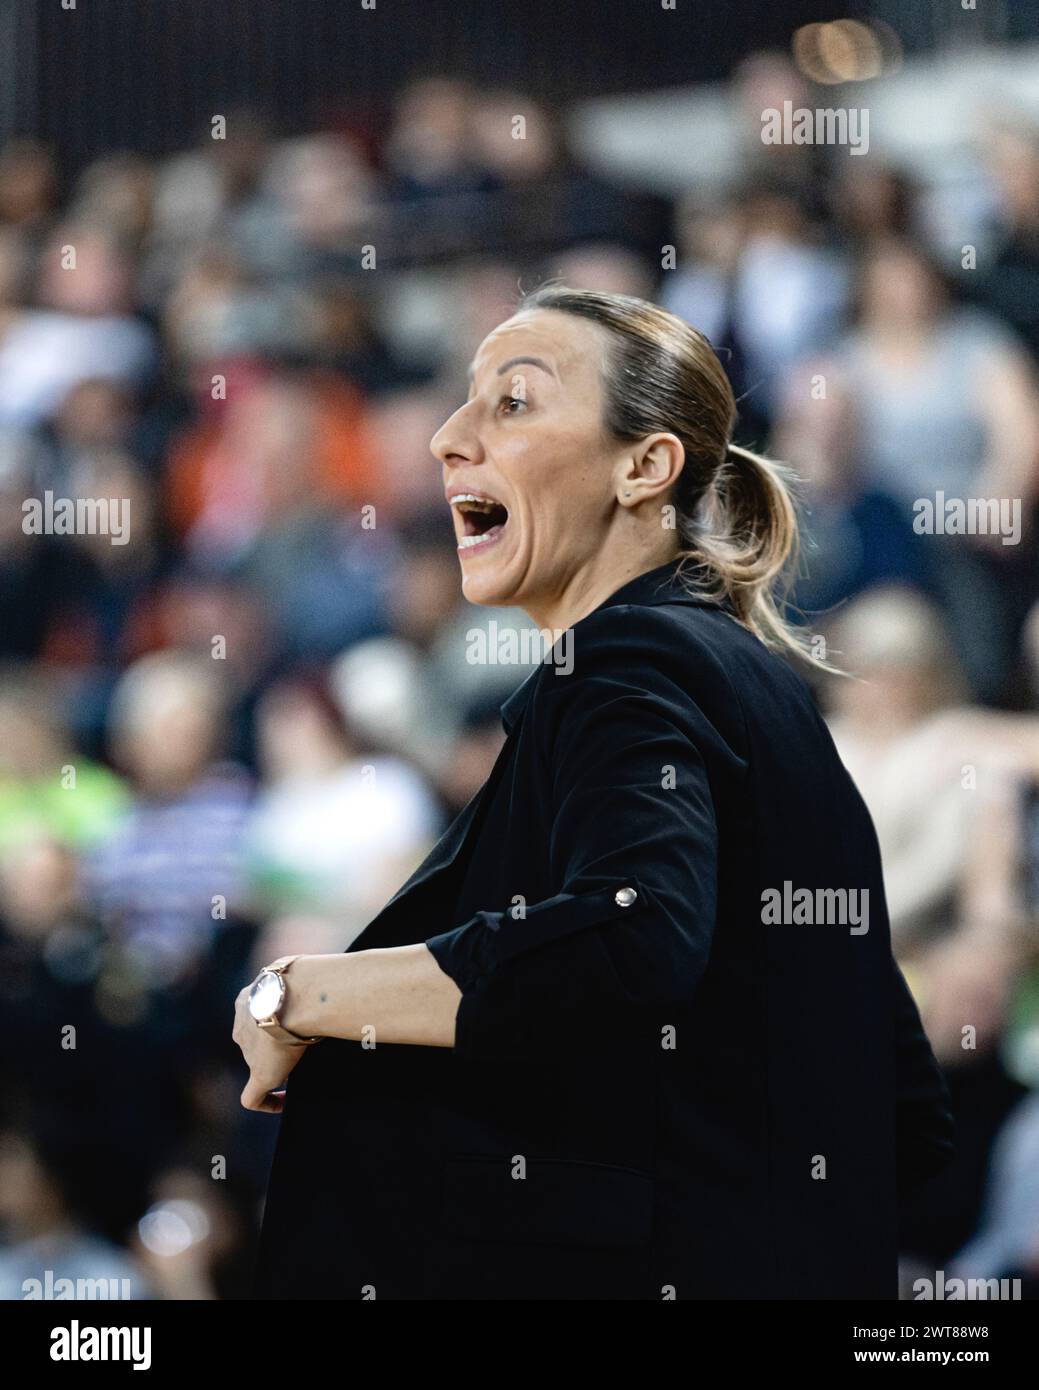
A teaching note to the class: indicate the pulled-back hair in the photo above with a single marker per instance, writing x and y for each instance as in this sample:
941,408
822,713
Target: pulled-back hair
734,509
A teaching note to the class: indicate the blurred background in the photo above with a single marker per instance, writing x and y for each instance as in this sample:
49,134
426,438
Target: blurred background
246,255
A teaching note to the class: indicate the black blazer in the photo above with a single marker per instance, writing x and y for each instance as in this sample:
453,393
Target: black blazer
656,1090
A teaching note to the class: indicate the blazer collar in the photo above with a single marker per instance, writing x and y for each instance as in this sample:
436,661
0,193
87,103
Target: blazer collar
659,585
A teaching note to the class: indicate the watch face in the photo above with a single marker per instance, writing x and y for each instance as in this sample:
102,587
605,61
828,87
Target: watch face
265,995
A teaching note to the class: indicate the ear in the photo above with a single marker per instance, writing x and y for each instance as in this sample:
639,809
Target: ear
649,470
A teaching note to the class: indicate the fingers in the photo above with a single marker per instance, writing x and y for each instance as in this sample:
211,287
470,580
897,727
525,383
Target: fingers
239,1016
256,1098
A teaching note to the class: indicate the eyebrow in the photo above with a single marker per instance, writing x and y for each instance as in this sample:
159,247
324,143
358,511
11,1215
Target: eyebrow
515,361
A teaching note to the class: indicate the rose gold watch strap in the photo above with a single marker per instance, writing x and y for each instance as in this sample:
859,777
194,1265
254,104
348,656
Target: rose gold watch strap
283,1034
281,964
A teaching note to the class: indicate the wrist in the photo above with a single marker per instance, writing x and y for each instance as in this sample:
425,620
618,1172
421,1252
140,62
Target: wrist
298,1014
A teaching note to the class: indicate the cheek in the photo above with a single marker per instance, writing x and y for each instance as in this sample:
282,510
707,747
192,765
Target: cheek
521,451
548,469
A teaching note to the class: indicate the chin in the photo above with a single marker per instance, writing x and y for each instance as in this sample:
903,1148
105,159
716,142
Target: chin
486,581
488,590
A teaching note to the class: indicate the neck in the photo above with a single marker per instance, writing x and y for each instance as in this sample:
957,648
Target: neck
581,593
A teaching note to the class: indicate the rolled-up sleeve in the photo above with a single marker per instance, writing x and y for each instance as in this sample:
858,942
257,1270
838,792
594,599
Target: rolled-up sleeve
631,844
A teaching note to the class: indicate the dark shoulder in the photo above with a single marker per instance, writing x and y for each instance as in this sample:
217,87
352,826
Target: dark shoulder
693,642
668,653
695,657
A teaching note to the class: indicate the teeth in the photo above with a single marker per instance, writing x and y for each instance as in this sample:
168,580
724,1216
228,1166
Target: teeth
483,504
467,541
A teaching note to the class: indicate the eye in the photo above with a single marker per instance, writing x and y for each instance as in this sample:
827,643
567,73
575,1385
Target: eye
508,401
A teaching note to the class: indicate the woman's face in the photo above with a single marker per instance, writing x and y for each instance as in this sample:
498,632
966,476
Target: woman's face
530,439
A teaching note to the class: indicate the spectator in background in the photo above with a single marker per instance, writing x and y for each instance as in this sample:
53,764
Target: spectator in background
280,436
753,276
38,574
218,311
547,197
28,187
429,150
84,327
1009,287
710,240
92,1041
402,423
409,692
271,490
47,787
108,586
80,599
315,208
943,782
172,871
93,421
192,608
335,829
348,341
474,750
763,81
943,794
117,192
936,399
196,192
872,202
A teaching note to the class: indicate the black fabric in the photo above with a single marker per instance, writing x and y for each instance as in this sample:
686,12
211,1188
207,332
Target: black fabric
653,1092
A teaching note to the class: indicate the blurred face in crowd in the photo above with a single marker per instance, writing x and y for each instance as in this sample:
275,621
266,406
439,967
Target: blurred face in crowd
899,290
101,284
167,728
1014,161
297,736
424,593
530,444
37,887
95,412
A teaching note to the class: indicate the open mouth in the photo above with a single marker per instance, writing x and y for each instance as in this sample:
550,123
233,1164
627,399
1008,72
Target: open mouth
483,519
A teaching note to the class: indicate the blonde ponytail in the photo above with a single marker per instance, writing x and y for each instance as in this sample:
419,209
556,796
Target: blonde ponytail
744,545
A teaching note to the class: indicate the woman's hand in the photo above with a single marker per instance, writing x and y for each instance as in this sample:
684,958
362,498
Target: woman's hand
268,1060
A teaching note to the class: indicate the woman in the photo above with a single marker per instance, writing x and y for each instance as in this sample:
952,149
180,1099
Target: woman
580,1054
931,406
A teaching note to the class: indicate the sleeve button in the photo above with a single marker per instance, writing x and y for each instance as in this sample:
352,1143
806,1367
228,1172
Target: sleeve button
624,897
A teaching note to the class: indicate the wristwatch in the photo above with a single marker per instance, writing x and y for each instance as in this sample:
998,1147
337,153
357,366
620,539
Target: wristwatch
266,998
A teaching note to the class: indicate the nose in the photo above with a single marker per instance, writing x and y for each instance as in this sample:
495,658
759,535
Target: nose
455,441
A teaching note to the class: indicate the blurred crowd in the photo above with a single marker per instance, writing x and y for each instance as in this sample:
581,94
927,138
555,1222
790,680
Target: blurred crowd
237,733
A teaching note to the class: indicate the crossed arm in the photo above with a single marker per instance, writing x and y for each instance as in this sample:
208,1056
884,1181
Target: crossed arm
395,995
399,992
